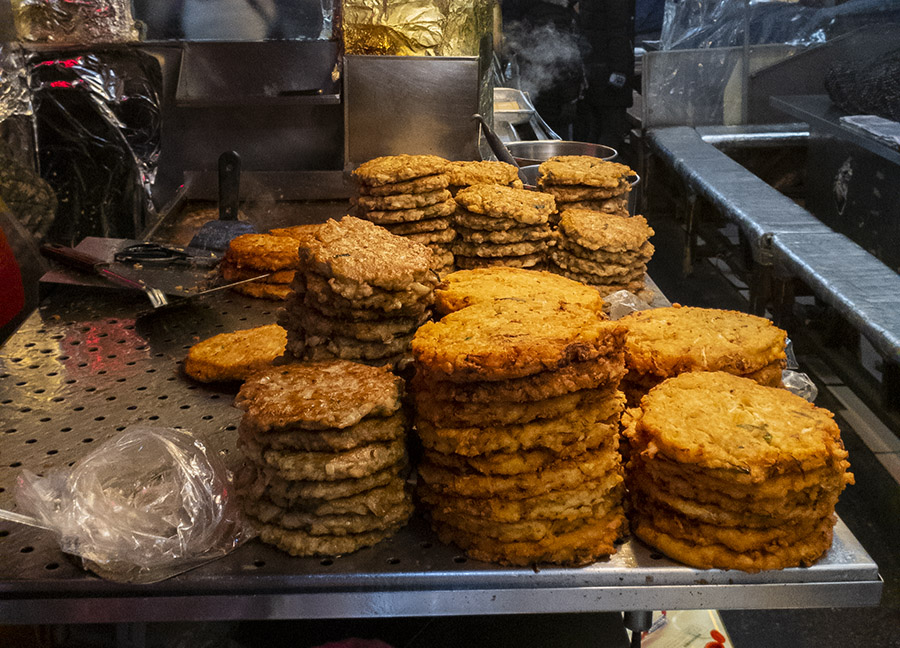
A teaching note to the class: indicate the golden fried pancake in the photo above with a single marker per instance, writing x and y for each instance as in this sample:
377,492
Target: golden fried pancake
466,173
563,474
272,291
604,285
432,408
423,184
583,170
608,272
381,330
236,355
716,420
593,424
485,223
506,339
524,530
616,205
418,214
608,232
522,461
520,205
475,263
429,239
319,395
467,287
580,546
411,301
262,252
568,504
641,255
563,193
300,233
301,543
403,201
357,256
311,347
258,481
591,374
505,237
398,168
462,248
336,524
667,341
418,227
231,272
716,556
326,466
368,430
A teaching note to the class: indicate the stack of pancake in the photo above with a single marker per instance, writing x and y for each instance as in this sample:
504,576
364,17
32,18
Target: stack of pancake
324,448
250,255
664,342
501,226
408,196
584,182
725,473
360,294
607,251
518,413
467,173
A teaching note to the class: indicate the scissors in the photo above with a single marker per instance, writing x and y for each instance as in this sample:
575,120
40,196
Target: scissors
156,253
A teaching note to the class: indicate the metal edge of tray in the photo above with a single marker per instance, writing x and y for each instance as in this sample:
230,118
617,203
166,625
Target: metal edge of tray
82,368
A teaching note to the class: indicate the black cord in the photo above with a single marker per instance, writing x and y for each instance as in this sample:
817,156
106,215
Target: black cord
636,638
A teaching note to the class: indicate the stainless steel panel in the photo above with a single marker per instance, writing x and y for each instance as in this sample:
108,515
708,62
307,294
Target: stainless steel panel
83,368
410,104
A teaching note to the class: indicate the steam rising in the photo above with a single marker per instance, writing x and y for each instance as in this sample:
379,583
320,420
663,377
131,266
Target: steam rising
548,58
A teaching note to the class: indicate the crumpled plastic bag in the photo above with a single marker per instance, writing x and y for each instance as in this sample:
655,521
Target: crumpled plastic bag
144,506
796,381
622,302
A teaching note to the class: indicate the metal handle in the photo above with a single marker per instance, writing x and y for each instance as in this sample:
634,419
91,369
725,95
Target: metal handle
87,263
71,257
229,185
497,146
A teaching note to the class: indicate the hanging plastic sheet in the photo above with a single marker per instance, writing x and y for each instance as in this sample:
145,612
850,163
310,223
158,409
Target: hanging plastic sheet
98,124
700,24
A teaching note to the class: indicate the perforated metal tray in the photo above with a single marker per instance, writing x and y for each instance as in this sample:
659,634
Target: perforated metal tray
83,368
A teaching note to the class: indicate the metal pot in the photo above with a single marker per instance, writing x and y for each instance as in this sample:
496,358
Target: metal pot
535,152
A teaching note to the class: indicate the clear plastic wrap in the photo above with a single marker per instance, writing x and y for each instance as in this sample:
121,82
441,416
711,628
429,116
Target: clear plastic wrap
699,24
621,303
144,506
99,127
796,381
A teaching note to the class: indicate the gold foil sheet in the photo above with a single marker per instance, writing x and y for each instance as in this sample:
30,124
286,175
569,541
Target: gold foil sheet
416,27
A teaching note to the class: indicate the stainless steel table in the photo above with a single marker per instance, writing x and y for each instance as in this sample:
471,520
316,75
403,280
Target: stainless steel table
83,368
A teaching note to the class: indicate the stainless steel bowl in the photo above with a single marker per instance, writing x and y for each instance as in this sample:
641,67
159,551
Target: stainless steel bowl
535,152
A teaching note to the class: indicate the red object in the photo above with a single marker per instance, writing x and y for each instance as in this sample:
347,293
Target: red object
718,636
714,644
12,293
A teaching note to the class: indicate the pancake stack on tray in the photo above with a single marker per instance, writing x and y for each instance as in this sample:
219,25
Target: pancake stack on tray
585,182
607,251
464,174
502,226
408,196
324,448
665,342
518,413
250,255
725,473
360,295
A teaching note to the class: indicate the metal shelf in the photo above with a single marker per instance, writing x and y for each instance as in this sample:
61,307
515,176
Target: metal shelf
84,367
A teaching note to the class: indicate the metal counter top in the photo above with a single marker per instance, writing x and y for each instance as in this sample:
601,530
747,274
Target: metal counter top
83,367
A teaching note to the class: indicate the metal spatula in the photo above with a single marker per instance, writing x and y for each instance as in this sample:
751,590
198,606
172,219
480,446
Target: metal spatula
215,235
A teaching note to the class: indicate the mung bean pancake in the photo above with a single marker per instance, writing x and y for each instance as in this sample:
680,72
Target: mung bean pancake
235,355
398,168
523,206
